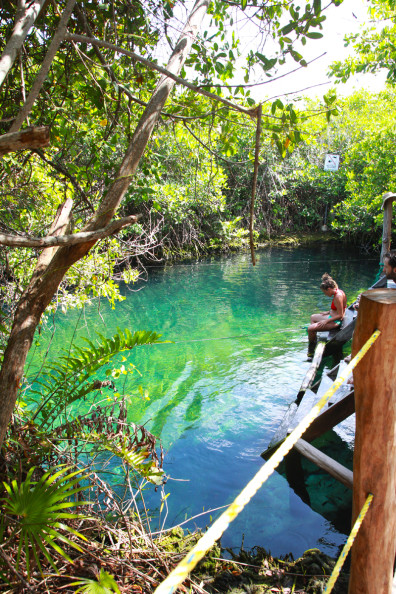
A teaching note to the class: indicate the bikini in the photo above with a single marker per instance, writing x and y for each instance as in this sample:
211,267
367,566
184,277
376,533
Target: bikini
333,307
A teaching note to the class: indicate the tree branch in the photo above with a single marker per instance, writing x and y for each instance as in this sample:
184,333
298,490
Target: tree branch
41,76
83,20
66,240
60,225
31,138
164,71
26,15
61,169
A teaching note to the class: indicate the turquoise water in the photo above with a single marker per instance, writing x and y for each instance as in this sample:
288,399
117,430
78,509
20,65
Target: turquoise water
218,392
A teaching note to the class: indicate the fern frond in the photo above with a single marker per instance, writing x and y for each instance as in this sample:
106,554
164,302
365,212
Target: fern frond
66,380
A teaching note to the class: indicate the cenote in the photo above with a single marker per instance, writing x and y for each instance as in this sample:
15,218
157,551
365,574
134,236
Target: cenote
218,391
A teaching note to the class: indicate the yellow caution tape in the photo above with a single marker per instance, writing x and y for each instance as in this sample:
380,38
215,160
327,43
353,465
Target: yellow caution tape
186,565
347,546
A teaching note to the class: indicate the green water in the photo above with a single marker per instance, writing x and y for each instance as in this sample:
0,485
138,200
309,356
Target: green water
218,392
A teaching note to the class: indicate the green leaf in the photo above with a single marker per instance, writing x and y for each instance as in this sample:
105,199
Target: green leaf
296,56
105,584
290,27
314,35
267,63
68,379
317,6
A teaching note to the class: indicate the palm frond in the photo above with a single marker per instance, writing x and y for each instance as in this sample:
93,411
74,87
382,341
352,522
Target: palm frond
105,584
34,510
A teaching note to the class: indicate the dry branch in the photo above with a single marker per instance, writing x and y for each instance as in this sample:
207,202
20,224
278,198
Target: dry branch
66,240
31,138
254,184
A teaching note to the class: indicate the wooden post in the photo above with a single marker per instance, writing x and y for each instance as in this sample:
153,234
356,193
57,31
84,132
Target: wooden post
374,465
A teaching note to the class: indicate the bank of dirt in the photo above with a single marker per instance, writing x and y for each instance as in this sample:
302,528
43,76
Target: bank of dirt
256,571
192,252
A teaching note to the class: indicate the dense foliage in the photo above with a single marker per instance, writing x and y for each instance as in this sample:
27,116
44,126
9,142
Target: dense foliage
374,46
295,194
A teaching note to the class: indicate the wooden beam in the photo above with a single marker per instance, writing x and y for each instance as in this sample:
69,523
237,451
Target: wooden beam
334,468
344,333
330,417
325,421
310,375
30,138
374,462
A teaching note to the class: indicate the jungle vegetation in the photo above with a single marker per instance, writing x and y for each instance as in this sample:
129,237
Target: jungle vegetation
172,153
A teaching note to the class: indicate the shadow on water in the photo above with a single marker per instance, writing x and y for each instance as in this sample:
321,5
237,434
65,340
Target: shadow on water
316,488
217,392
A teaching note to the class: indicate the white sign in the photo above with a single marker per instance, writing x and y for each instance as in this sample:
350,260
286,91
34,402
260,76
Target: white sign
331,162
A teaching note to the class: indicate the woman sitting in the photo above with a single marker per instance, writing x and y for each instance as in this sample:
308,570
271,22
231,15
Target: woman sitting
327,320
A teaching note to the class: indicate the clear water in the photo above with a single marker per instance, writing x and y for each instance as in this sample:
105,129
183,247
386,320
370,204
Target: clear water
220,389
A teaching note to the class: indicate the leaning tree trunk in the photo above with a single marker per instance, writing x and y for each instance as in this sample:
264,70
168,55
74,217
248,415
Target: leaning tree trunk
47,277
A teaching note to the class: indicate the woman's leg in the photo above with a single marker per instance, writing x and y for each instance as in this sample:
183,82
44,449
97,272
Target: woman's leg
316,326
312,328
319,318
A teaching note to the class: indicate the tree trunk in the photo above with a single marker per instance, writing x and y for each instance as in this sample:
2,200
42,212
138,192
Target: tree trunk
43,286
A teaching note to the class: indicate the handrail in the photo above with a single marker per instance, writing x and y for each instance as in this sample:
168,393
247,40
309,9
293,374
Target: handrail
186,565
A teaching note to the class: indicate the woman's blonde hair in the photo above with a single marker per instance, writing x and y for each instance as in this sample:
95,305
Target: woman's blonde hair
328,282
